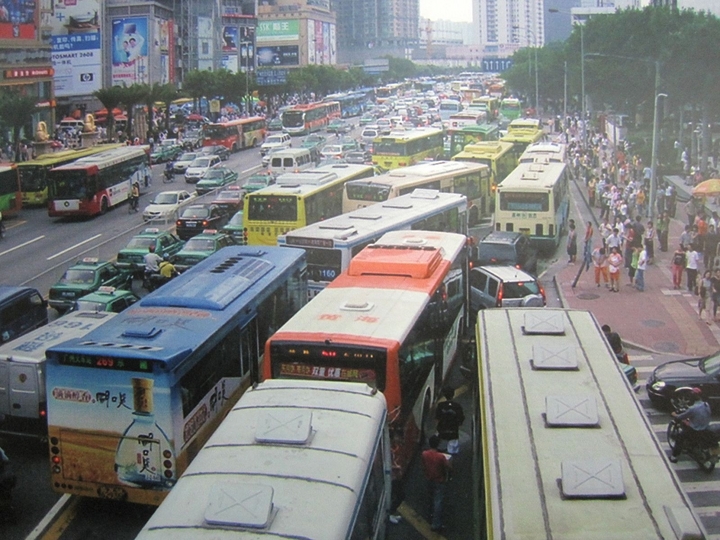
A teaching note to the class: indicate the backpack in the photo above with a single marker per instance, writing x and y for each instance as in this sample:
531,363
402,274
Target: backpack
679,259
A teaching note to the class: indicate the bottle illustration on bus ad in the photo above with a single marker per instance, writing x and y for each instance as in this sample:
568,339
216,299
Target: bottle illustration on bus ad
144,445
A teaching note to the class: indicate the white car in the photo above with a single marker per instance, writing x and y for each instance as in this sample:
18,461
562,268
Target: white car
332,151
166,204
183,161
197,169
277,140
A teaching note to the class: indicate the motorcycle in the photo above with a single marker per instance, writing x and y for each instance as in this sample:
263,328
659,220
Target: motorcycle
154,280
7,483
168,176
703,448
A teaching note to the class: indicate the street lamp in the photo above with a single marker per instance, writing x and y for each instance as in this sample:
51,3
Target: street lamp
653,158
246,45
537,86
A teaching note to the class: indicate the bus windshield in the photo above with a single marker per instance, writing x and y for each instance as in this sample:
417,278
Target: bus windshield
292,118
367,192
273,208
33,178
389,147
70,185
524,202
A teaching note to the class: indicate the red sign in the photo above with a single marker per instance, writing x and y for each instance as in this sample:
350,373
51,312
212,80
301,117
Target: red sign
29,73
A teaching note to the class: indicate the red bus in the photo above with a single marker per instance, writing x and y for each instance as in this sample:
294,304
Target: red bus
391,320
93,184
309,117
235,134
10,192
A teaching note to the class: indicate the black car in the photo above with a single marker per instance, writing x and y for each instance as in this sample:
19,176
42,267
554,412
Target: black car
359,157
217,150
198,217
512,248
702,373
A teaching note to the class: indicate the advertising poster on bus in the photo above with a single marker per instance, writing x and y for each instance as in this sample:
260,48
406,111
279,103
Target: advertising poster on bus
129,51
18,19
76,47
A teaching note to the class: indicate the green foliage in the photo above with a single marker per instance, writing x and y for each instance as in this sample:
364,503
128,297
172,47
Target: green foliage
111,99
16,111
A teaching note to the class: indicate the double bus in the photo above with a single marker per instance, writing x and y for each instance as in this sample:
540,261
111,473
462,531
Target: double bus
497,155
23,402
544,152
131,404
391,320
489,104
457,139
534,200
510,108
405,148
34,173
562,447
307,118
235,134
325,476
93,184
469,179
331,244
298,199
10,191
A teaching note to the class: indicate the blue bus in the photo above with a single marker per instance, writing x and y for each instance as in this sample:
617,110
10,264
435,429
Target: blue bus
351,103
132,402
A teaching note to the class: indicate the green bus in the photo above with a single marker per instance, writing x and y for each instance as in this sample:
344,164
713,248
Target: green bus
457,139
510,108
10,194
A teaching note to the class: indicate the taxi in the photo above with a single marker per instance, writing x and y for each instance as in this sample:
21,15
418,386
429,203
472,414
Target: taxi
106,299
84,277
132,257
200,247
235,229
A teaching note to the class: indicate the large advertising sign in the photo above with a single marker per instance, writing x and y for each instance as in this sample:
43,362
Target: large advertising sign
129,51
284,55
278,30
18,19
164,43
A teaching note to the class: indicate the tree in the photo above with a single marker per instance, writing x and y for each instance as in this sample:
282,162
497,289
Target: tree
168,94
16,111
196,85
131,96
110,98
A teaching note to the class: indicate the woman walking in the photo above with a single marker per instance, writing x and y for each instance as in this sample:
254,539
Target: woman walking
615,261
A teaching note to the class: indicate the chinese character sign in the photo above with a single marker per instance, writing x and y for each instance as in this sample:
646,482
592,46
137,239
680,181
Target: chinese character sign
129,51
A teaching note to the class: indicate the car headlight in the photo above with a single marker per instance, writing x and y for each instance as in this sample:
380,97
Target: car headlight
658,386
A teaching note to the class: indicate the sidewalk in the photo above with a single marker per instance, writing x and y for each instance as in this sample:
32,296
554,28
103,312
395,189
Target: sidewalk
659,319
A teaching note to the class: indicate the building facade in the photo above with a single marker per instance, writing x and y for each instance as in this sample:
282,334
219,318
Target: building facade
504,26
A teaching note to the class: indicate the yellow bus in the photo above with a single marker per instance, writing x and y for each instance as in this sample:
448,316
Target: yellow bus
33,173
405,148
297,199
497,155
523,132
489,104
469,179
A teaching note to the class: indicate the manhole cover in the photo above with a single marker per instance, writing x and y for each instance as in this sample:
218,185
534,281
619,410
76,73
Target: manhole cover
666,346
587,296
653,323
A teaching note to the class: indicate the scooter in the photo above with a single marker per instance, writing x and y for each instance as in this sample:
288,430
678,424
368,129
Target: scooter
154,280
7,483
168,176
703,448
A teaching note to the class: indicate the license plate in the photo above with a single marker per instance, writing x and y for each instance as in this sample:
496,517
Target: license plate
68,295
191,223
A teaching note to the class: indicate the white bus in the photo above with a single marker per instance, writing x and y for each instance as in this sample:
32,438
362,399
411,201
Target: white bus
292,459
544,152
22,369
448,107
563,448
331,244
533,199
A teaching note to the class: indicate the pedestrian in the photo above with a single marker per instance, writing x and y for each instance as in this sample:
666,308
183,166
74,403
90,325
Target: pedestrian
686,238
632,267
642,262
449,416
437,469
715,280
692,258
572,244
679,260
712,238
615,261
599,259
649,241
663,229
704,286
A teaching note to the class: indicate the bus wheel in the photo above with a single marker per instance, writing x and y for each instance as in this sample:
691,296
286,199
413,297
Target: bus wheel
104,206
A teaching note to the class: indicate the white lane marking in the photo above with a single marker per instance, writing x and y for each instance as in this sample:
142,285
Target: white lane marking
250,169
73,247
21,245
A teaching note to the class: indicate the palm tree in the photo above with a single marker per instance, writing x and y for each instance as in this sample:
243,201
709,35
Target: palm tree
153,93
110,98
196,85
132,96
16,111
168,94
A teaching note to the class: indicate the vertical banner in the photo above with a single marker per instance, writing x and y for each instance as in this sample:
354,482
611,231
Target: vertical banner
171,50
162,44
230,48
76,47
311,59
247,52
326,43
333,45
129,51
318,42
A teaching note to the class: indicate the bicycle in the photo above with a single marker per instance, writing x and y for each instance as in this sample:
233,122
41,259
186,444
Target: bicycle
134,205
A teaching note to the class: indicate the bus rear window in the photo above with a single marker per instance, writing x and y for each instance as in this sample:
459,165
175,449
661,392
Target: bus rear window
524,202
367,192
323,264
389,147
272,208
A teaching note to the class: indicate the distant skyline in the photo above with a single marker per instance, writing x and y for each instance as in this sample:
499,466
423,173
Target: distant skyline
447,10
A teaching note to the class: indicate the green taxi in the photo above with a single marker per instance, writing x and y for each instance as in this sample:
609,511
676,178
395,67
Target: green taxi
84,277
165,152
235,229
200,247
132,256
106,299
258,181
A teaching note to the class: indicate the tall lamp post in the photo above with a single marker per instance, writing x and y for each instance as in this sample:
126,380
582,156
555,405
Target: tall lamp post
530,34
653,157
247,45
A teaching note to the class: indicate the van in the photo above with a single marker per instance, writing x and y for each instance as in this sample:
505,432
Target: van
369,134
291,160
71,124
22,310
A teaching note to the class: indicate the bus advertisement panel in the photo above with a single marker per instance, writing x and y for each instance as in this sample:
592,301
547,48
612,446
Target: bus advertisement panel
405,148
93,184
10,192
132,403
235,134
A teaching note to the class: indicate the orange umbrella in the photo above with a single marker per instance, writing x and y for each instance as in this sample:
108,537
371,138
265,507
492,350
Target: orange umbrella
708,187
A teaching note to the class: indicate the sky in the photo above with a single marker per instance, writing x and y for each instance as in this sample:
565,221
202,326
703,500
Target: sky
448,10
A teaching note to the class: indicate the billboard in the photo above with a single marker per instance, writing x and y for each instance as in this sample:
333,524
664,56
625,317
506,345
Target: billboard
165,48
283,55
278,30
129,51
76,47
19,19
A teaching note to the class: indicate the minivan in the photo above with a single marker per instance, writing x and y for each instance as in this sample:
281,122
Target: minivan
504,247
504,286
22,310
369,134
291,160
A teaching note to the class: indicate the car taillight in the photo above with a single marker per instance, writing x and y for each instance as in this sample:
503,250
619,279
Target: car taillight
499,296
205,223
178,223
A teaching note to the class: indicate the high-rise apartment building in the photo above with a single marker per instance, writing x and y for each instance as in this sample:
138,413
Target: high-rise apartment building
507,25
